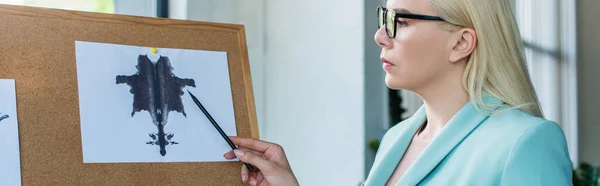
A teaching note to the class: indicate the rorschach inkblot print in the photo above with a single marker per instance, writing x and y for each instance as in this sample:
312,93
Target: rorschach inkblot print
158,91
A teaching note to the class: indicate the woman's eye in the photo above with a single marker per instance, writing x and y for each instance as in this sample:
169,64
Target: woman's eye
402,23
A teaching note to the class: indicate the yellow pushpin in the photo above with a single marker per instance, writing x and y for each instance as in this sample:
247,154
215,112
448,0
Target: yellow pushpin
154,50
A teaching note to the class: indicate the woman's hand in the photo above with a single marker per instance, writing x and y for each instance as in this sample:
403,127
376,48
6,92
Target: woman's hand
273,166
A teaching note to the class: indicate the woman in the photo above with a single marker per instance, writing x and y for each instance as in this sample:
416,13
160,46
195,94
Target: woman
480,123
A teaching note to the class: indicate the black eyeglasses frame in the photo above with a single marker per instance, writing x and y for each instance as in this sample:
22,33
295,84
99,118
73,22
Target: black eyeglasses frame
381,21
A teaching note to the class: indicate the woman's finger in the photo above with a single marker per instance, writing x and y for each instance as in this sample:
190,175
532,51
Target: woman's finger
259,177
245,175
230,155
253,181
254,144
248,175
258,161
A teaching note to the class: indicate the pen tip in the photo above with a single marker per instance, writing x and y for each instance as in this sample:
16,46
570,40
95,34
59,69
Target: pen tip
192,95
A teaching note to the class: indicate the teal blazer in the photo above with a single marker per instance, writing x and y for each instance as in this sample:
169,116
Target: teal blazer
476,148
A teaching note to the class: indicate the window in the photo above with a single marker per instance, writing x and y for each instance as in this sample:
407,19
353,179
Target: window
548,31
127,7
103,6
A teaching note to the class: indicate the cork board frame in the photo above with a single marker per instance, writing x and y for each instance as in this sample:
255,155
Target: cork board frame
37,49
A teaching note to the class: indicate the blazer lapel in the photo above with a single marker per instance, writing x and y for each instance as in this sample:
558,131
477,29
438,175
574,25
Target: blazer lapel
384,167
457,128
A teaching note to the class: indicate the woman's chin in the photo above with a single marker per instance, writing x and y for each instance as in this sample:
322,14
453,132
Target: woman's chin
392,84
395,82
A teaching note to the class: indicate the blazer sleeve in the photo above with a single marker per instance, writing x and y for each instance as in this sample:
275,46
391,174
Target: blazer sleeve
539,157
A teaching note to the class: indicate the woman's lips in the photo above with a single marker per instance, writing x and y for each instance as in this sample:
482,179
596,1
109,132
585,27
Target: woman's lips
386,64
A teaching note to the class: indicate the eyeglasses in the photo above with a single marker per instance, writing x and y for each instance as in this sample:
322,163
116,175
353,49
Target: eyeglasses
389,19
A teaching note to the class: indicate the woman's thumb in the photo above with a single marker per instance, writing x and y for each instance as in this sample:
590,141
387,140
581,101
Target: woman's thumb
264,165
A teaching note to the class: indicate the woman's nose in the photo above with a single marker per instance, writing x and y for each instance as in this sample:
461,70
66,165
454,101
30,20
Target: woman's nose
381,38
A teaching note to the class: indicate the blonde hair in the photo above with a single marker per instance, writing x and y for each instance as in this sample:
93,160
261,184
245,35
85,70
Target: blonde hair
497,65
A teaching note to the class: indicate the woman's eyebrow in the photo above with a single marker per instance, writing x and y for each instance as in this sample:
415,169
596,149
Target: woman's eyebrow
401,10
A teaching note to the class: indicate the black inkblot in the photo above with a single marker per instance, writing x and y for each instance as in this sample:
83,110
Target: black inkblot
157,90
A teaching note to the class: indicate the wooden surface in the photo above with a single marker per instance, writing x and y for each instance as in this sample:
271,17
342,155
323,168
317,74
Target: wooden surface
37,49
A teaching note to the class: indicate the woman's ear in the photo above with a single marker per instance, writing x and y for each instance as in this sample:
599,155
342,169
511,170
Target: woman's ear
463,45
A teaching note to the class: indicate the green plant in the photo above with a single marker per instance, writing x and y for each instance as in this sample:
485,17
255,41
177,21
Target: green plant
374,145
586,175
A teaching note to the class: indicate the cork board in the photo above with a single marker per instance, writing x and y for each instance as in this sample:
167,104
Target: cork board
37,50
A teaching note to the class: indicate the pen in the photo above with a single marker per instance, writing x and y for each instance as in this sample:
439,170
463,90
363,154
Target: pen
216,125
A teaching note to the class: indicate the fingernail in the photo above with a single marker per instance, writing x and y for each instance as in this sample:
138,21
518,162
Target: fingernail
243,179
238,152
252,182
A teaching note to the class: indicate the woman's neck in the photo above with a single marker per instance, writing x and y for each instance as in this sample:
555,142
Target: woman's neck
441,104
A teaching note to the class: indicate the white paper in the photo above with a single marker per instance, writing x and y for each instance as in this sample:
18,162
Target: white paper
111,135
10,162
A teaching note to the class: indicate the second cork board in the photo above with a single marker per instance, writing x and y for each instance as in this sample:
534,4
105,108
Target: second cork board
103,99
